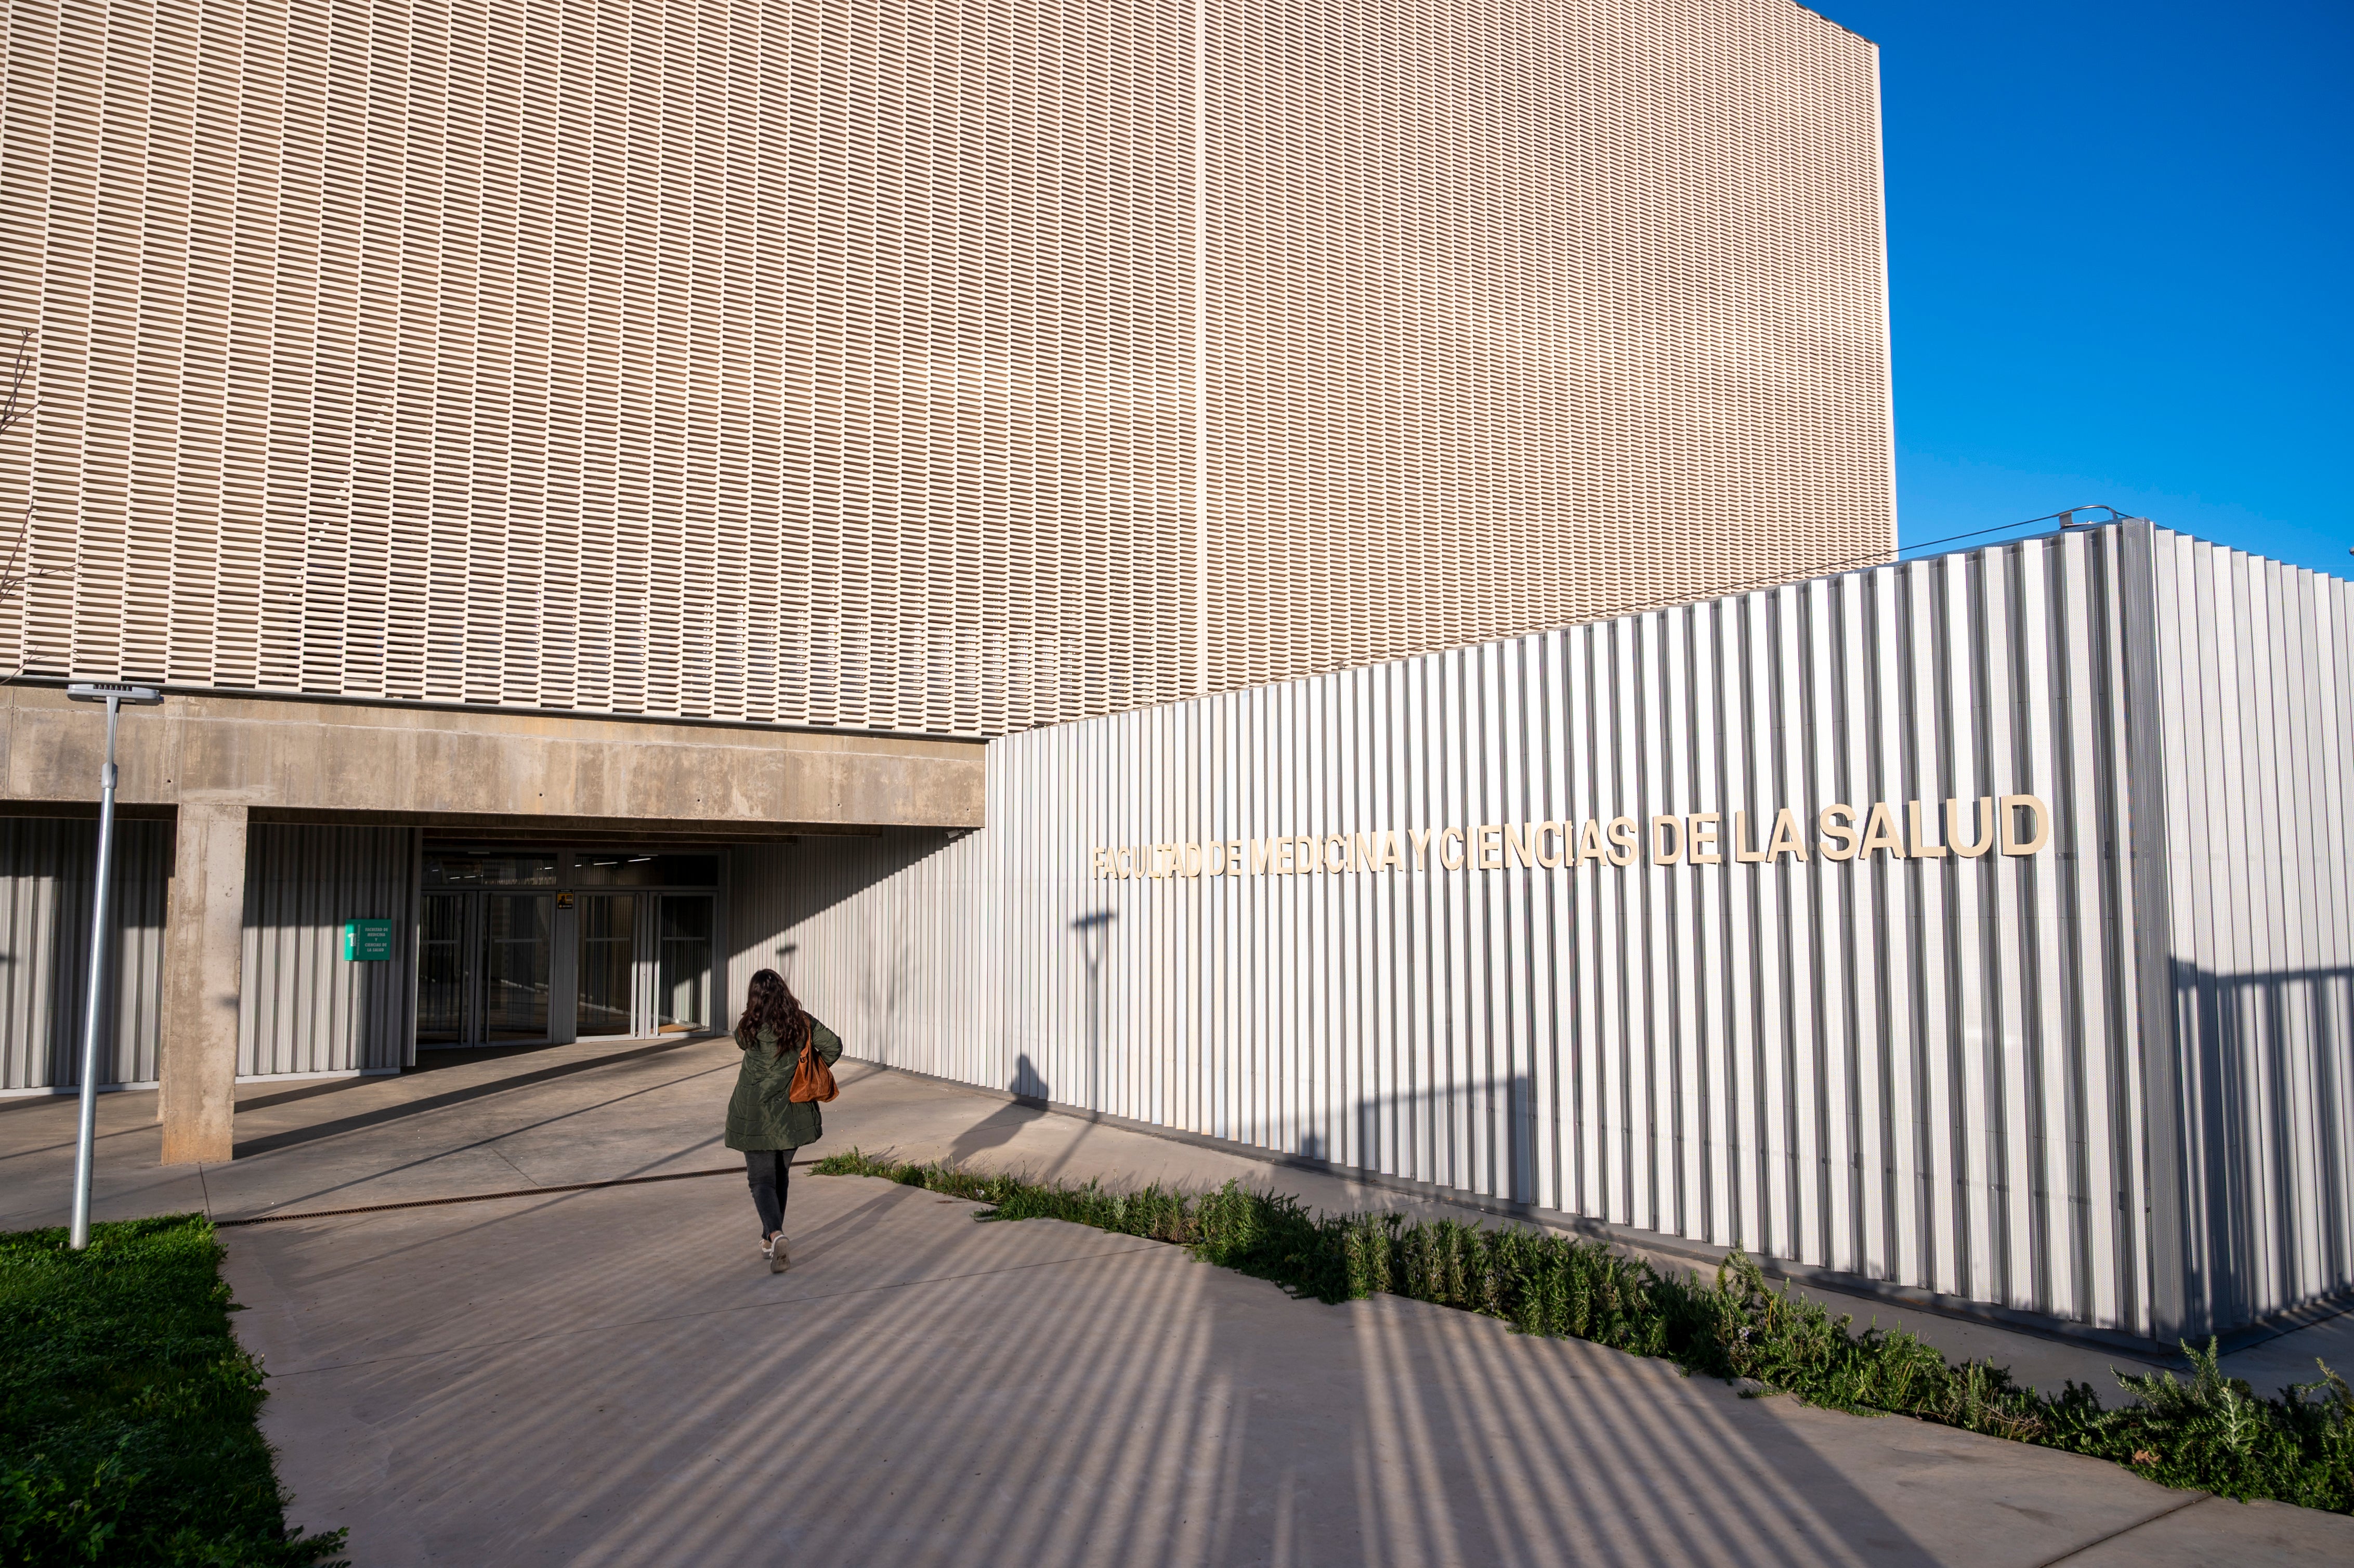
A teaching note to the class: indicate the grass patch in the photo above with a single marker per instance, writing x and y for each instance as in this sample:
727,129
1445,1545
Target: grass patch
127,1409
2211,1433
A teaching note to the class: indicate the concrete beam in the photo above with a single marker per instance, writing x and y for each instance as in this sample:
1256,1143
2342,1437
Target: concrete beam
218,763
204,922
295,753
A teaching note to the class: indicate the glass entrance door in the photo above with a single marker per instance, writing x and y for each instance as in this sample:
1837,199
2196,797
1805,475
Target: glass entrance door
683,980
446,951
482,968
518,928
609,948
517,945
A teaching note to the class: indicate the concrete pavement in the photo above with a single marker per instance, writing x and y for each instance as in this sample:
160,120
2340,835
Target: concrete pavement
609,1376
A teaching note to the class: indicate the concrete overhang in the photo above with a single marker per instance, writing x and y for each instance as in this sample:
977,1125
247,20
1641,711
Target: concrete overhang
480,769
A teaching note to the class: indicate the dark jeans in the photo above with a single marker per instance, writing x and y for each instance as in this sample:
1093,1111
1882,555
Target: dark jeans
767,1169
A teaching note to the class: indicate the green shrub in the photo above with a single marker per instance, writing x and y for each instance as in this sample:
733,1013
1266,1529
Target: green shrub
2212,1433
127,1408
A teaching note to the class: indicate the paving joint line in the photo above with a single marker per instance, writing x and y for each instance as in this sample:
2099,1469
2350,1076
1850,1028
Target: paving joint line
2192,1501
480,1197
477,1197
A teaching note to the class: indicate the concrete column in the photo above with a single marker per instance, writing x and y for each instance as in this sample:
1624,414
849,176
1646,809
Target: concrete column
204,930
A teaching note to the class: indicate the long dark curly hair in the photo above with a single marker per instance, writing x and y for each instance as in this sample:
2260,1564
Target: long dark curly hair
770,1003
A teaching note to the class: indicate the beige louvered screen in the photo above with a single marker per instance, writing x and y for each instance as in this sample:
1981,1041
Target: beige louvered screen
1531,312
836,365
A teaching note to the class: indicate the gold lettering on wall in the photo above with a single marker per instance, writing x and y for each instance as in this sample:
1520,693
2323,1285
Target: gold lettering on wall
1920,849
2020,825
2011,806
1880,833
1741,850
1663,852
1983,815
1695,840
1844,833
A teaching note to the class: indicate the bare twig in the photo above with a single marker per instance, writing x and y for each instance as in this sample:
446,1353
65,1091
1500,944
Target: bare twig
14,407
14,575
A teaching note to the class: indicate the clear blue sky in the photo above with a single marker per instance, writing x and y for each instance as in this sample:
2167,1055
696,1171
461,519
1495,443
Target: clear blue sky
2119,241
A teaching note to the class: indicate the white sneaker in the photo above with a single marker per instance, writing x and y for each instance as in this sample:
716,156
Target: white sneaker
777,1261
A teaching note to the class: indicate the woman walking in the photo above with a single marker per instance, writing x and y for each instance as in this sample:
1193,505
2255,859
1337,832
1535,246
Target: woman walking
763,1119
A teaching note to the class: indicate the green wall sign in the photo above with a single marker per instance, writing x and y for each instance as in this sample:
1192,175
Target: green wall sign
368,940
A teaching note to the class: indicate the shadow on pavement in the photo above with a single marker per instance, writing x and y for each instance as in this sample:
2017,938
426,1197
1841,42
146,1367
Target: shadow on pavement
295,1136
1033,1394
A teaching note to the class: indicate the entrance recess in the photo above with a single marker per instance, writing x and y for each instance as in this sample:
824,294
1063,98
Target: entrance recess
520,948
608,945
482,967
485,950
683,991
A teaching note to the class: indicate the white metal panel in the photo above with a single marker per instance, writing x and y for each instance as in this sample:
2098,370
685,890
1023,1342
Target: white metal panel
885,941
304,1008
48,876
1926,1069
2254,661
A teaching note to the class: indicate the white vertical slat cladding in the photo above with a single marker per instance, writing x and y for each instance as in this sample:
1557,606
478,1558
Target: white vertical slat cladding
883,937
2255,664
1917,1070
929,365
47,870
304,1007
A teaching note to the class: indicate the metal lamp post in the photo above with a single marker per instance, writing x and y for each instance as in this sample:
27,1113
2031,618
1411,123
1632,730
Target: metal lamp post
114,696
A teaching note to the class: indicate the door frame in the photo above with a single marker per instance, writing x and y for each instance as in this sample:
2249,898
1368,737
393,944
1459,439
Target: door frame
715,972
469,904
475,943
564,938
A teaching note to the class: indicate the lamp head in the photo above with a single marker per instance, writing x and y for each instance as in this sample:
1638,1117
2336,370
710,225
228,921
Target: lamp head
129,696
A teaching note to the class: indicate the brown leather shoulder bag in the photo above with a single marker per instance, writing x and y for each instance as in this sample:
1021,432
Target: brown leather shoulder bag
813,1078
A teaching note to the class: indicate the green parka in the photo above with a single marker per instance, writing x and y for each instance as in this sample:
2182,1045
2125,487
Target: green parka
758,1114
